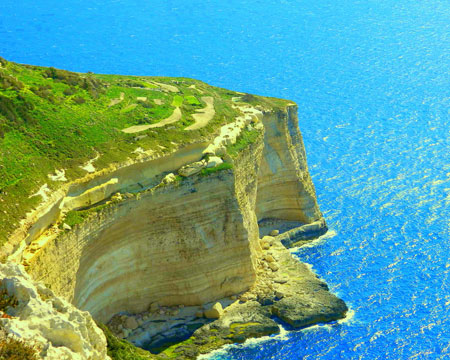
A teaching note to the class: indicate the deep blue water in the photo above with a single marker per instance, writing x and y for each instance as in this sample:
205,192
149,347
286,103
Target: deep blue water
372,80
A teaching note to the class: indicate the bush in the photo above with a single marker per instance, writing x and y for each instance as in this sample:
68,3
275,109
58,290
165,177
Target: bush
92,85
69,91
17,111
79,100
14,349
8,81
44,91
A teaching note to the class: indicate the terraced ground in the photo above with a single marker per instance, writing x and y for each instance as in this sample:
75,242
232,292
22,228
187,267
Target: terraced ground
57,124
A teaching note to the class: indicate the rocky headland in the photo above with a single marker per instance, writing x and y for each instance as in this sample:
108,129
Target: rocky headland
177,247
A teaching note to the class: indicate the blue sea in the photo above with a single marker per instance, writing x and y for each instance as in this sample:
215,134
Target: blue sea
372,81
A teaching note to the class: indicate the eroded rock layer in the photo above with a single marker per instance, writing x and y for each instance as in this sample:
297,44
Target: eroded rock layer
286,195
186,243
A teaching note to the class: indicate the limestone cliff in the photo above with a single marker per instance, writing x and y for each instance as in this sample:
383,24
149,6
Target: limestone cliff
151,237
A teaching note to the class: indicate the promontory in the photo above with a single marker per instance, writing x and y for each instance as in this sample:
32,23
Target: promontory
150,217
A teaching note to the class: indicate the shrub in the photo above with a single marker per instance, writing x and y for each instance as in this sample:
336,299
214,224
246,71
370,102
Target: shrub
16,112
69,91
79,100
15,349
8,81
44,91
91,84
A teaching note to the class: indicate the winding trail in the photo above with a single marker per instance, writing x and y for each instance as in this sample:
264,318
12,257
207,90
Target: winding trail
203,116
176,116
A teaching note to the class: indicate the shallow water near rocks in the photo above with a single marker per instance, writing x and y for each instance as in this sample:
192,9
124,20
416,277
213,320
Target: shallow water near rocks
373,86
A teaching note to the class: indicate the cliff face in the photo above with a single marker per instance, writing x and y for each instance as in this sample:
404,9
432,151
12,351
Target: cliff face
154,241
285,189
185,243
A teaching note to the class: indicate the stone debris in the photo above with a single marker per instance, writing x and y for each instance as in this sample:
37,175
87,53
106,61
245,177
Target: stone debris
274,232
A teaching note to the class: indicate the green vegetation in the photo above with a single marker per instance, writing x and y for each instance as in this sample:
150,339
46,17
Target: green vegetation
245,138
15,349
123,350
177,101
192,100
223,166
53,119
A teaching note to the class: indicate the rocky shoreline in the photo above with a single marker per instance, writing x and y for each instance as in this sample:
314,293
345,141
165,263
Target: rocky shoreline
286,291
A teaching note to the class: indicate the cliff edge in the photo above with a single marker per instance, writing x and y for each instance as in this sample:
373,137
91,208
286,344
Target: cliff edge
176,230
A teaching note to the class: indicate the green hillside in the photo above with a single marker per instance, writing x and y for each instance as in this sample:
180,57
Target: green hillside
54,119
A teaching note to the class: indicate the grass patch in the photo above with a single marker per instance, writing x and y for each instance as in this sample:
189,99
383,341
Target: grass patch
55,119
223,166
177,101
192,100
245,138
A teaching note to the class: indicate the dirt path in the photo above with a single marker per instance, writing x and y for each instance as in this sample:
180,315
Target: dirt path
166,87
203,116
176,116
117,101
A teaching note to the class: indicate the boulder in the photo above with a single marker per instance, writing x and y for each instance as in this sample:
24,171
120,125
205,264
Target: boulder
214,161
169,178
274,266
67,227
274,232
131,323
269,258
215,312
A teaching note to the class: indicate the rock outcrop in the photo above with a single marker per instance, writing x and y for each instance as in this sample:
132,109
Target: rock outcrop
57,328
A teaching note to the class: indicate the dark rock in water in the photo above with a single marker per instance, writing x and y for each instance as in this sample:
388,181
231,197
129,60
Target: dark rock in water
299,314
304,232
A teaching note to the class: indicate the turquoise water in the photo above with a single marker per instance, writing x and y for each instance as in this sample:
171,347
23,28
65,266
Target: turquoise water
373,86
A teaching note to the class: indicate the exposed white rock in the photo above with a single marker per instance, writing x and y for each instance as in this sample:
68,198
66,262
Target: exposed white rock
43,190
169,178
89,167
214,161
59,330
60,175
274,232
